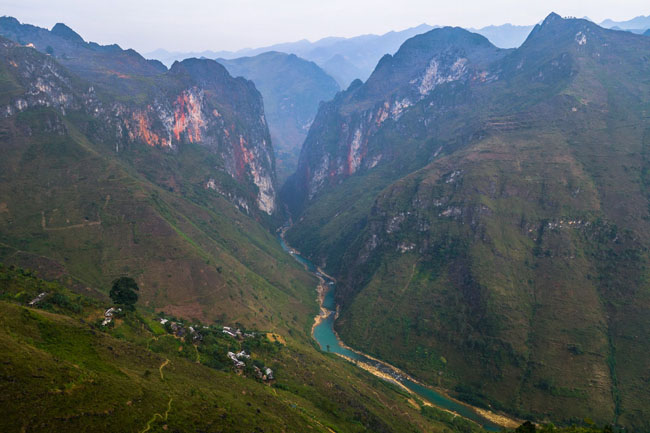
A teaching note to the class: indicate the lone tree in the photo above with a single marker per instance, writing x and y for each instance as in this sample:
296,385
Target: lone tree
124,291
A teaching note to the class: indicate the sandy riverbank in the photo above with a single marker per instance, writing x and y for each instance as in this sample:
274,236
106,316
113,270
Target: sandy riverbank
498,419
322,289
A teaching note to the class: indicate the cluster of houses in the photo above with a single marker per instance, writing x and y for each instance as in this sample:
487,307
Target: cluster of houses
108,315
236,333
264,373
238,359
179,330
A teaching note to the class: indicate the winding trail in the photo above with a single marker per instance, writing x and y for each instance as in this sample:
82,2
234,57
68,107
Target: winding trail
164,416
163,366
157,415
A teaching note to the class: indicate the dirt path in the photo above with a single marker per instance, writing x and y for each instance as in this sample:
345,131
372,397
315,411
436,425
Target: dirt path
165,415
73,226
161,367
198,357
157,415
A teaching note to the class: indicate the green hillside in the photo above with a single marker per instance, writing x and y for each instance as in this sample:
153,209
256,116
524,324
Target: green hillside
68,208
61,370
493,234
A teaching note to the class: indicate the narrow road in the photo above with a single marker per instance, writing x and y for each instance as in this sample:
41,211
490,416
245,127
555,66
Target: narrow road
161,367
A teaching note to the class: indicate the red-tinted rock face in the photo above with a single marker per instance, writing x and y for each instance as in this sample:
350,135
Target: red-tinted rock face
141,130
188,116
222,114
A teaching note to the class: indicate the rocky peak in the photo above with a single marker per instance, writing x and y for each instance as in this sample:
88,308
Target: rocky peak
448,57
556,32
200,70
551,19
66,32
424,61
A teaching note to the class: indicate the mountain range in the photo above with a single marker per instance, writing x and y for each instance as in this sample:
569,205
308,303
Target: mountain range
346,59
485,212
477,215
116,166
636,25
343,58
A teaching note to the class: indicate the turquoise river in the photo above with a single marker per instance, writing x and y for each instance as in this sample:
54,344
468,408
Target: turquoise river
329,341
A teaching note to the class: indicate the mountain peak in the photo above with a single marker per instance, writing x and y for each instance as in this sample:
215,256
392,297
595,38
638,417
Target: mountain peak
443,37
7,20
199,68
66,32
557,30
551,18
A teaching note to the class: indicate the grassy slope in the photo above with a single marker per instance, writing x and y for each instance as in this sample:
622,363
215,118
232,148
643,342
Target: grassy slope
532,313
61,371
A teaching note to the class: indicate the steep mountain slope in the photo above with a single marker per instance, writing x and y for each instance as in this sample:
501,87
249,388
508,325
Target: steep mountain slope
494,231
108,64
168,186
196,101
93,187
364,131
292,88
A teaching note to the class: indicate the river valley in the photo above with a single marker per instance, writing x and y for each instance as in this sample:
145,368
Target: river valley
328,340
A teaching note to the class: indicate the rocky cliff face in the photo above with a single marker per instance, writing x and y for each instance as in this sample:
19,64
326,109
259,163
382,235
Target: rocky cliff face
342,141
195,102
500,242
292,89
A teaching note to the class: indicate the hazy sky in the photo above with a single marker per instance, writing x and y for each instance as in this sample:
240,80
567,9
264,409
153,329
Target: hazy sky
232,24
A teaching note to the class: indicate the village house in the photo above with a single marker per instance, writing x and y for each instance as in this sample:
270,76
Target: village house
243,354
234,333
237,333
37,299
108,315
235,359
177,329
265,374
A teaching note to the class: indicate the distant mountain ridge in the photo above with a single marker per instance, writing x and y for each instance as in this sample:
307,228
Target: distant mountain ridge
343,58
636,24
292,88
346,59
505,35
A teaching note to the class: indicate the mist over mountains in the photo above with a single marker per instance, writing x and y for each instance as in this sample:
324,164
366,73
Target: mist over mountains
346,59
